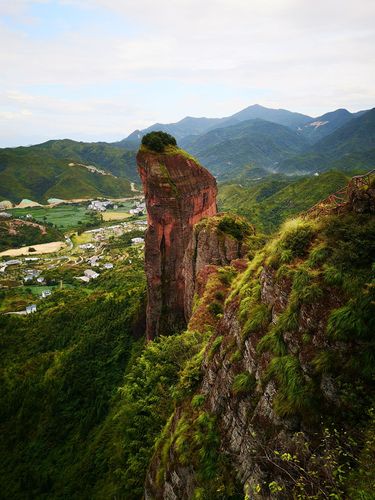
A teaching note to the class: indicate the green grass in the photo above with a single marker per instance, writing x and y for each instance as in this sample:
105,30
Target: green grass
65,217
243,383
294,393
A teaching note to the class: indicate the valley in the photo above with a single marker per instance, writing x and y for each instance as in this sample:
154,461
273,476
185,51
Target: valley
27,272
206,335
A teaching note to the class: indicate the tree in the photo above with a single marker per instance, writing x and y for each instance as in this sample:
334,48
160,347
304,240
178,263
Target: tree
156,141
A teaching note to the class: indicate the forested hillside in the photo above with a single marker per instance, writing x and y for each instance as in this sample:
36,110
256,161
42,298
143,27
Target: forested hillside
37,175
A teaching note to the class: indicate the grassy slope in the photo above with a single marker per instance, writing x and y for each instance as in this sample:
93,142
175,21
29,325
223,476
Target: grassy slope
116,160
268,202
36,175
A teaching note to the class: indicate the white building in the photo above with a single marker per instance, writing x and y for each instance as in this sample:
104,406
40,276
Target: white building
46,293
135,241
99,206
85,279
90,274
5,215
136,211
31,309
12,262
87,246
108,265
93,261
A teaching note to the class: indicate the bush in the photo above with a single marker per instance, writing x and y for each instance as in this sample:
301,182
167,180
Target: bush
156,141
215,308
234,227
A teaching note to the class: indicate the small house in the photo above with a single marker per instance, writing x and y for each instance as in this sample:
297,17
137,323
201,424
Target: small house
31,309
136,241
90,274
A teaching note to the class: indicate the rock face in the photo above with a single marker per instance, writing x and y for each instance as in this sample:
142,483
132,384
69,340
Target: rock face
179,193
211,246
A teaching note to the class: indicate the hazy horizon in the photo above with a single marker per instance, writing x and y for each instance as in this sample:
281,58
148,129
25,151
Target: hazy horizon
98,70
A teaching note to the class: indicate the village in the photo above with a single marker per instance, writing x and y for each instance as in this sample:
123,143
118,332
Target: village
27,281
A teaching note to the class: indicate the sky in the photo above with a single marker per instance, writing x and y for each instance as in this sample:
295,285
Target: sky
95,70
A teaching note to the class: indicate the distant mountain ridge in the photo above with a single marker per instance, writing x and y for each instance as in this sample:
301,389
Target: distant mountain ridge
271,140
194,126
250,144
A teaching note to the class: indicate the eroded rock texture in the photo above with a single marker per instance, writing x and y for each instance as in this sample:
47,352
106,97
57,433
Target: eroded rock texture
179,192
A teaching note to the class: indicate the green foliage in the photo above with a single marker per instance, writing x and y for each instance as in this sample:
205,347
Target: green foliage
60,372
147,403
198,400
356,320
36,173
215,308
190,375
158,140
361,481
294,393
25,234
234,226
318,255
215,346
243,383
268,202
296,236
257,318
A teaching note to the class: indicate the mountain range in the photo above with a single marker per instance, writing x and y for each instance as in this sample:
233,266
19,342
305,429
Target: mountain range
274,140
254,143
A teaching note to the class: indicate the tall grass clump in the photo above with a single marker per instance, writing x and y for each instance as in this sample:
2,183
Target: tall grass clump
294,393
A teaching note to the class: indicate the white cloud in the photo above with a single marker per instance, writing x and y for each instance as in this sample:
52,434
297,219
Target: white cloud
302,55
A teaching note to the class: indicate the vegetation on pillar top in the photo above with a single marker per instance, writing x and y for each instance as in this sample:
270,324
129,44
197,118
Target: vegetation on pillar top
157,141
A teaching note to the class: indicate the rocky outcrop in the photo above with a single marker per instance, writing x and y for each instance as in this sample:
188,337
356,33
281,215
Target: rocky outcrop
213,244
179,193
276,375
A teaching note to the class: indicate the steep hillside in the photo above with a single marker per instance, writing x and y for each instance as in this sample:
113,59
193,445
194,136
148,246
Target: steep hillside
324,125
227,150
119,161
16,233
60,374
348,147
356,136
37,175
268,394
269,202
279,402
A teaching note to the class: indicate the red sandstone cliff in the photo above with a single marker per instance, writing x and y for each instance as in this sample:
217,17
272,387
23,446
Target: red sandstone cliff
179,192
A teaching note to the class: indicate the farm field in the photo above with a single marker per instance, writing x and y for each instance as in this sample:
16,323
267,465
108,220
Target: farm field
115,215
54,246
65,217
